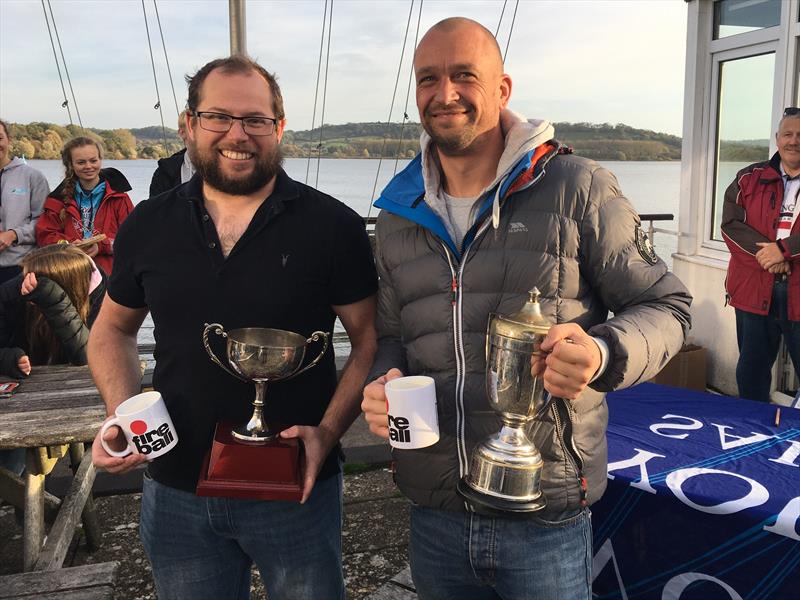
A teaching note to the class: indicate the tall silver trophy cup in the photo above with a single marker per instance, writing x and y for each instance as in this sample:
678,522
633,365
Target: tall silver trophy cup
262,355
505,469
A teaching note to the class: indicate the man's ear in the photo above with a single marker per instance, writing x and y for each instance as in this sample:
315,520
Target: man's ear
280,127
505,90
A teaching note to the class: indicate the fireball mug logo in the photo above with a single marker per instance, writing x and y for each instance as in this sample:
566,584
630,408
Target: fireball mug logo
148,440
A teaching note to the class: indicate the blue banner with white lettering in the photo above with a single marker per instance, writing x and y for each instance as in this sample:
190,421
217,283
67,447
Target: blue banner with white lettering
703,498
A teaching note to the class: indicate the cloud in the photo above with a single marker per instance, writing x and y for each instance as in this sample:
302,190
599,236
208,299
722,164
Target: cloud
576,61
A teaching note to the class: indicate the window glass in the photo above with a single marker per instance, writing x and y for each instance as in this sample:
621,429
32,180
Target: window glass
740,16
743,122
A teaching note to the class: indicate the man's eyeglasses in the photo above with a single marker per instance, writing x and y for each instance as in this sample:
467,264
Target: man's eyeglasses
222,123
791,111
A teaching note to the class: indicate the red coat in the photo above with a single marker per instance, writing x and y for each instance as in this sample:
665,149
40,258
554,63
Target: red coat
750,214
114,207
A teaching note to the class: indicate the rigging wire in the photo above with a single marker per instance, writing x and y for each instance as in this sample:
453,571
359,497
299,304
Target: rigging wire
500,22
324,94
391,108
155,80
66,71
511,30
166,58
316,88
408,93
64,104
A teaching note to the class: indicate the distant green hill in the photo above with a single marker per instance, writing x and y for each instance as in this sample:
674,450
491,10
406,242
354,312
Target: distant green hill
371,140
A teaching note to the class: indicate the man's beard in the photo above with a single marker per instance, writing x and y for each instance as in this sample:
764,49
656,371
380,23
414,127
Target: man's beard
267,165
453,140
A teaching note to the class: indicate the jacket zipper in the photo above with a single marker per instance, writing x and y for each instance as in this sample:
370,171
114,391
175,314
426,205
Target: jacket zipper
567,443
458,348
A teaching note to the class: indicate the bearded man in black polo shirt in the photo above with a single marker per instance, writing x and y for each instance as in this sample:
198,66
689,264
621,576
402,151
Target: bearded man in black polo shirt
243,245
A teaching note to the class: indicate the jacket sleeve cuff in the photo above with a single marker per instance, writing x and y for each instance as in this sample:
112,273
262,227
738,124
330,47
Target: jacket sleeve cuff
784,250
604,352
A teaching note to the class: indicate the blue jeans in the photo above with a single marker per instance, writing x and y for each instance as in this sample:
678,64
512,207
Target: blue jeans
461,555
203,547
759,337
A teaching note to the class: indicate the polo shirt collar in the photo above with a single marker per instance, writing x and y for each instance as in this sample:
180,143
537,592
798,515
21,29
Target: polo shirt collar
285,190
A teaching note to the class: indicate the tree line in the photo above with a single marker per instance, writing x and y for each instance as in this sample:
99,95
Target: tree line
370,140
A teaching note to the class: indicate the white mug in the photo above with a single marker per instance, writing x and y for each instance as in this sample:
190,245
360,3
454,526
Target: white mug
145,422
413,419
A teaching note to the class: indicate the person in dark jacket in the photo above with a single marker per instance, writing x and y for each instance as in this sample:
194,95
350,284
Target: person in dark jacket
491,208
89,201
45,315
760,227
176,169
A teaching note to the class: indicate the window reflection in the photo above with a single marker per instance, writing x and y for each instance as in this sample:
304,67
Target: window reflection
732,17
743,122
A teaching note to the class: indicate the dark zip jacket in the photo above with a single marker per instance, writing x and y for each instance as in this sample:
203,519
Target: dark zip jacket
565,228
52,300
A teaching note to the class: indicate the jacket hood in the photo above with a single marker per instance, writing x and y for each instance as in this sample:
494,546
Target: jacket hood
116,182
15,162
526,142
521,136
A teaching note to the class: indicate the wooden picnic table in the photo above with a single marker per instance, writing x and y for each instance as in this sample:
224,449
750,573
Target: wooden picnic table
51,414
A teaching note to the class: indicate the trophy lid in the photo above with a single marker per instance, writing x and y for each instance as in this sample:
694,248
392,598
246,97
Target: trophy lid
523,325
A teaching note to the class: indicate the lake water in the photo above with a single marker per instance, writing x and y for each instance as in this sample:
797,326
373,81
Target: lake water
652,187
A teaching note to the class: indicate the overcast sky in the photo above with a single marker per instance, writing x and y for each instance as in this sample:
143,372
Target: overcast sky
570,60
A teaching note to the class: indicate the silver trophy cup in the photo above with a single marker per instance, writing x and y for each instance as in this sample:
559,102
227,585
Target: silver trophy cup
505,469
262,355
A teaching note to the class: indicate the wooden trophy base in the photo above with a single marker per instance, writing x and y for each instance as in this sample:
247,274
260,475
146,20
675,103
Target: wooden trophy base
269,471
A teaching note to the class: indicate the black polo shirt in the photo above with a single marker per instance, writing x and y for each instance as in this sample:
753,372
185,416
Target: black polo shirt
303,252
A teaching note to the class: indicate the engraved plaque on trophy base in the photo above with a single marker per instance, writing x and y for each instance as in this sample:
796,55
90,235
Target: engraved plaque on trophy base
269,471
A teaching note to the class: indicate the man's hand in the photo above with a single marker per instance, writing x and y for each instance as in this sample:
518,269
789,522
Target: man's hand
318,442
29,283
375,404
784,267
769,255
24,364
7,238
572,361
113,464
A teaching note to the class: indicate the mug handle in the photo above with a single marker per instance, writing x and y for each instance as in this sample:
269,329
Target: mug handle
315,337
111,451
219,330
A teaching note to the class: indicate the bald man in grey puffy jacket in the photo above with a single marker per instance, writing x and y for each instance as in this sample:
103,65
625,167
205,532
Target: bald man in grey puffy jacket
492,207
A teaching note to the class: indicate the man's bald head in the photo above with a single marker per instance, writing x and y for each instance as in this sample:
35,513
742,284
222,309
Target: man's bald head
461,87
453,25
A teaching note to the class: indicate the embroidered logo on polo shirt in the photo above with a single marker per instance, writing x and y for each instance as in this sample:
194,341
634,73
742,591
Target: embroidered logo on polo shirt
284,259
644,247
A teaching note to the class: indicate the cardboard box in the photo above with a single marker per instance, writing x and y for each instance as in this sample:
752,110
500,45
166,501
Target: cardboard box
686,370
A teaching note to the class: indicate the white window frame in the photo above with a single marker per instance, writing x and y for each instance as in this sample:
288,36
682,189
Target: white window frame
749,51
784,41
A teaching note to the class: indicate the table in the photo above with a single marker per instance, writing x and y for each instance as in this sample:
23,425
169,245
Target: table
703,500
52,413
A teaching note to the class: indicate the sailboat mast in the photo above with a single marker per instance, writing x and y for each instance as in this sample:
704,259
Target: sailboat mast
238,27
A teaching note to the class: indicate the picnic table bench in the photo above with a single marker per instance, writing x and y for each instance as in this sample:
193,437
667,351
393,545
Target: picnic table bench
89,582
51,415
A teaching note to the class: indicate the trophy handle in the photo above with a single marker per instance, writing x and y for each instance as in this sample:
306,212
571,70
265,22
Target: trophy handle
316,336
219,330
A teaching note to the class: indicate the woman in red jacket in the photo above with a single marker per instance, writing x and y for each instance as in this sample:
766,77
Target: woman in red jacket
90,201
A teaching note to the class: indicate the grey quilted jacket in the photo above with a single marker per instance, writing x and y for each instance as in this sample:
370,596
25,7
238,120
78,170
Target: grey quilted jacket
565,228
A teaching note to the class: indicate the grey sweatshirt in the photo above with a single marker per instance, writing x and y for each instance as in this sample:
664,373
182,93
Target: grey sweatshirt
23,190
